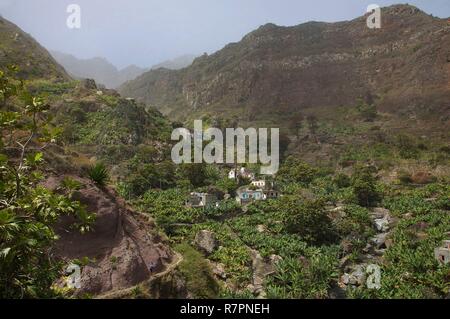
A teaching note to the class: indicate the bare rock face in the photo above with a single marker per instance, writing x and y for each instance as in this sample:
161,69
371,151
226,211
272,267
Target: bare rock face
206,241
123,249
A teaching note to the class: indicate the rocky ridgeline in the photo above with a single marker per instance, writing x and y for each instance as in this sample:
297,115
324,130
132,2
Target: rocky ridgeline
311,65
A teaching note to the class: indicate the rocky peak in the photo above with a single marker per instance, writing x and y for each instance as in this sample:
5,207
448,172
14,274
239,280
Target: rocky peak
404,10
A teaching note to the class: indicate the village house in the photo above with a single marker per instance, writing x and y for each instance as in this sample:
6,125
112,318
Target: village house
242,172
442,253
197,200
271,194
246,196
259,183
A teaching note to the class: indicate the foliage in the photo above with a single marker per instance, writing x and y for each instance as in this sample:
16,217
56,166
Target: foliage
308,219
294,170
304,278
367,111
342,180
147,176
27,210
365,187
98,173
197,273
411,271
407,147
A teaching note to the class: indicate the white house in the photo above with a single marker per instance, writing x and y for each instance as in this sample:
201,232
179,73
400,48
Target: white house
259,183
242,172
246,196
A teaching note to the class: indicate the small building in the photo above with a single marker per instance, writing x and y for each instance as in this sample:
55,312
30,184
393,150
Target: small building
197,200
246,196
271,194
442,254
259,183
243,172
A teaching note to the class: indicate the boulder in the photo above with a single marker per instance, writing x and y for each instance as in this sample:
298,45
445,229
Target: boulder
382,224
379,240
423,178
206,241
218,270
380,212
358,276
88,84
345,279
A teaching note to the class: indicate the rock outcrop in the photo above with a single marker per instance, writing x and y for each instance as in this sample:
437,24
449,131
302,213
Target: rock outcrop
206,241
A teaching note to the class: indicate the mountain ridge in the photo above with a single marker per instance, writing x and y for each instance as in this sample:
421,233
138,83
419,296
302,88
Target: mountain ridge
321,65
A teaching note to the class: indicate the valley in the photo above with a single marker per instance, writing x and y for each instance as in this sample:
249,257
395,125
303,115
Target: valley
359,207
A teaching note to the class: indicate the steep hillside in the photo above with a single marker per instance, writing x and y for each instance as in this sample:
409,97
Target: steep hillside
276,71
20,49
90,225
176,63
99,69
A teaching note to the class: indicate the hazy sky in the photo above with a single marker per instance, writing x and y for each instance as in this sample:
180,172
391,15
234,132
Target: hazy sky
145,32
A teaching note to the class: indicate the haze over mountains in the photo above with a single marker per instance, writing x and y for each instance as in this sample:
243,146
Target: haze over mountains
104,72
276,71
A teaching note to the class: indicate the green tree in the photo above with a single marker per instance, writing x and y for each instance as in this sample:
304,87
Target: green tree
364,185
308,219
294,170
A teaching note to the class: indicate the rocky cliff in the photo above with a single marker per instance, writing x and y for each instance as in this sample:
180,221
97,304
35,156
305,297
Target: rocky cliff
275,71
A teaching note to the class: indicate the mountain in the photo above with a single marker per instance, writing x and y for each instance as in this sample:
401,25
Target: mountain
20,49
104,72
274,71
99,69
177,63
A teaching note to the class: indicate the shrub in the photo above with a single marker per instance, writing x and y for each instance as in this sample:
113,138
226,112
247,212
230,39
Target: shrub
308,219
294,170
99,174
407,147
367,111
197,272
342,181
364,187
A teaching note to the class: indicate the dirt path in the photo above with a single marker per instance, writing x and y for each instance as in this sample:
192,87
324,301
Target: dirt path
124,293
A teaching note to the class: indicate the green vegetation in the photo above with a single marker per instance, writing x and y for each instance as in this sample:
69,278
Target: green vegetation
28,211
364,187
99,174
197,273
